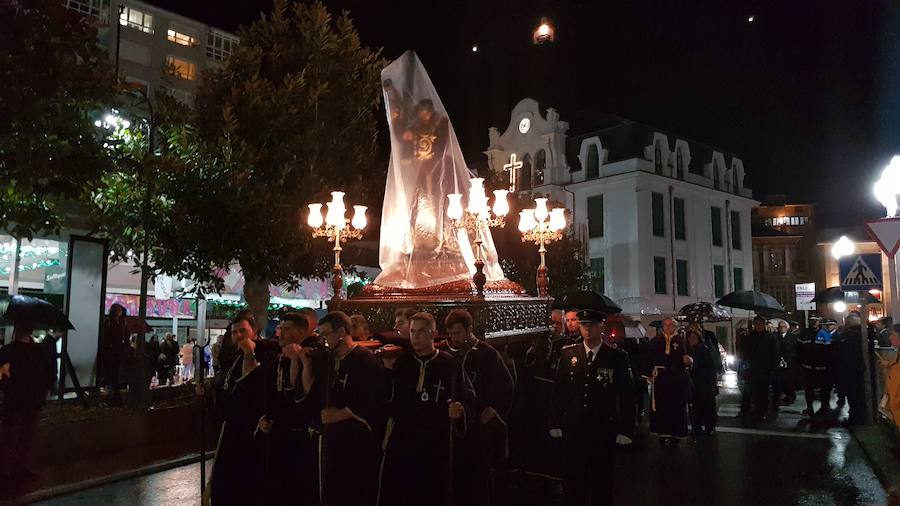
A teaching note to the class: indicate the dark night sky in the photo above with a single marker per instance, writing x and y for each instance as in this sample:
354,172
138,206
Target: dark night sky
808,95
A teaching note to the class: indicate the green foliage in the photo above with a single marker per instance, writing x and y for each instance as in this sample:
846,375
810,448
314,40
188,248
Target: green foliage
567,267
53,77
287,119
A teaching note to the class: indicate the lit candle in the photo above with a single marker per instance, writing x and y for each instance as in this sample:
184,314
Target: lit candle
359,217
501,205
454,208
526,220
557,219
540,209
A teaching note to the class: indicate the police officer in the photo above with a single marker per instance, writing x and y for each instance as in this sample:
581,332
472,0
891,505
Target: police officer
593,400
814,354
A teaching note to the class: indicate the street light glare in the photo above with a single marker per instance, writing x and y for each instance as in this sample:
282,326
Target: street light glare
843,247
840,306
887,187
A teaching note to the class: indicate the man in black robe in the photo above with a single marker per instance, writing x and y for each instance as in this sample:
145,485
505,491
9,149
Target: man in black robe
425,415
292,473
352,382
238,474
483,452
593,398
667,373
762,354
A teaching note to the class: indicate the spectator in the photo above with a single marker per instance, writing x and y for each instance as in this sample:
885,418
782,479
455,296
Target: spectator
890,403
26,376
114,343
169,359
215,351
187,360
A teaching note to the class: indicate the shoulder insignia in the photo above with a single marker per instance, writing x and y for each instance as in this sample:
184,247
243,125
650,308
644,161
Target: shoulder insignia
566,347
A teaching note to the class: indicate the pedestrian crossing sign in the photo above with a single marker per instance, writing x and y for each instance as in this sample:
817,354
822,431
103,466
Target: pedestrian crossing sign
861,272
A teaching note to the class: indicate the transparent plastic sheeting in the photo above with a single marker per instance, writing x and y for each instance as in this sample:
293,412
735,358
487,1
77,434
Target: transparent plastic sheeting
419,246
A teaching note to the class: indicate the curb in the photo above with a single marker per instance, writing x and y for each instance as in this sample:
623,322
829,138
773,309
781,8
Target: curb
70,488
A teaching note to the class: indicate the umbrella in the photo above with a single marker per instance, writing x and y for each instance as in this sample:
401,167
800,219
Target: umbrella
638,306
835,294
33,311
703,312
753,301
586,299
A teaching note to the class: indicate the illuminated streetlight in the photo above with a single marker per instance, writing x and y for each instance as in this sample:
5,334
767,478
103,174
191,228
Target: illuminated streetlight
843,247
839,306
544,32
336,228
887,187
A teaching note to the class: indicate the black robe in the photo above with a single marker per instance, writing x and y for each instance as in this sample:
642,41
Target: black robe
239,470
669,386
417,444
485,446
354,382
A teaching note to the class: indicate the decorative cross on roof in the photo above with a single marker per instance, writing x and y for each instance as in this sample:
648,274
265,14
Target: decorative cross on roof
513,167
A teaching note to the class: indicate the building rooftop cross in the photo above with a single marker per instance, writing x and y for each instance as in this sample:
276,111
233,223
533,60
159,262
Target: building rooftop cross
513,167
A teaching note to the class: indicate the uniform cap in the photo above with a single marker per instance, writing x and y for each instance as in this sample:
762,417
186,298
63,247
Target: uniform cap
829,322
590,316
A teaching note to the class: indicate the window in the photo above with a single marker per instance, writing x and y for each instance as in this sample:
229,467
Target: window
715,217
680,233
738,279
679,165
681,277
595,216
184,69
776,261
716,177
540,163
735,230
220,46
90,7
659,215
185,97
598,274
659,274
181,38
593,162
136,19
719,281
657,158
525,175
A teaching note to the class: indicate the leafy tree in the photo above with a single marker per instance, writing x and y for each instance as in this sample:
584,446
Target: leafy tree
288,118
53,80
566,264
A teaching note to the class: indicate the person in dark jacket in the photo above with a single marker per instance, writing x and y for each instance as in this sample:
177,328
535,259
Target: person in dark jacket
168,351
849,368
667,372
814,355
788,367
114,345
26,375
703,384
761,353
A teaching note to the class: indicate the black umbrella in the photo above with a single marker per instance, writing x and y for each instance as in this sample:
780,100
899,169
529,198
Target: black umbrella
703,312
835,294
753,301
38,313
586,299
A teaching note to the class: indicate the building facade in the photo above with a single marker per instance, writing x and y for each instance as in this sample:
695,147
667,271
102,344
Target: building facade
784,249
154,48
663,218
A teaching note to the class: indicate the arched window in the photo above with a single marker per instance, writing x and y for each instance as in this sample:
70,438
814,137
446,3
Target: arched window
657,158
679,164
540,164
525,176
716,176
593,162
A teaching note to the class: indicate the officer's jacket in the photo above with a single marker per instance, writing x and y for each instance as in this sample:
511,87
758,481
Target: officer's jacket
813,354
596,396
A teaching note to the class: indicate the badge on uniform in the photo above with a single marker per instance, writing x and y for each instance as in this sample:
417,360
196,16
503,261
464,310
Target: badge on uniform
424,396
605,376
574,361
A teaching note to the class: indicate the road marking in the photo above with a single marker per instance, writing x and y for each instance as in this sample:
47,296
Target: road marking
760,432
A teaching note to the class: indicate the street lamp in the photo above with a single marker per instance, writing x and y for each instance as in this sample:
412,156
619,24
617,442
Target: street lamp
336,228
839,306
541,226
476,217
843,247
888,187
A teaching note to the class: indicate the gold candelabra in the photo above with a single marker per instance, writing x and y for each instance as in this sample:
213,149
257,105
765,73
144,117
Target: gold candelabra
336,228
541,226
475,218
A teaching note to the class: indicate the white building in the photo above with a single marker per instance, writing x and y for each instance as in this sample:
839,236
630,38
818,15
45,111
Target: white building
663,217
157,48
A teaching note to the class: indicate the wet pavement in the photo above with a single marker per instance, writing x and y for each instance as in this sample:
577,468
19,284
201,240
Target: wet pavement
783,462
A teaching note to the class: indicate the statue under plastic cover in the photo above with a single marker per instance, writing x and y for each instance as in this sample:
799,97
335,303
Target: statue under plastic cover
419,245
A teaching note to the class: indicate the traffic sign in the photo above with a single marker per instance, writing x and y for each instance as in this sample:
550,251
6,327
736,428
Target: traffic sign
860,272
886,233
805,293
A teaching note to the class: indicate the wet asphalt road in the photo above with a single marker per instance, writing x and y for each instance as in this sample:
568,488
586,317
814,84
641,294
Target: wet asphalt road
784,462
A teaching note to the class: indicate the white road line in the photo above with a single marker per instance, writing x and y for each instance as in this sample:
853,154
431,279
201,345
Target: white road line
760,432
